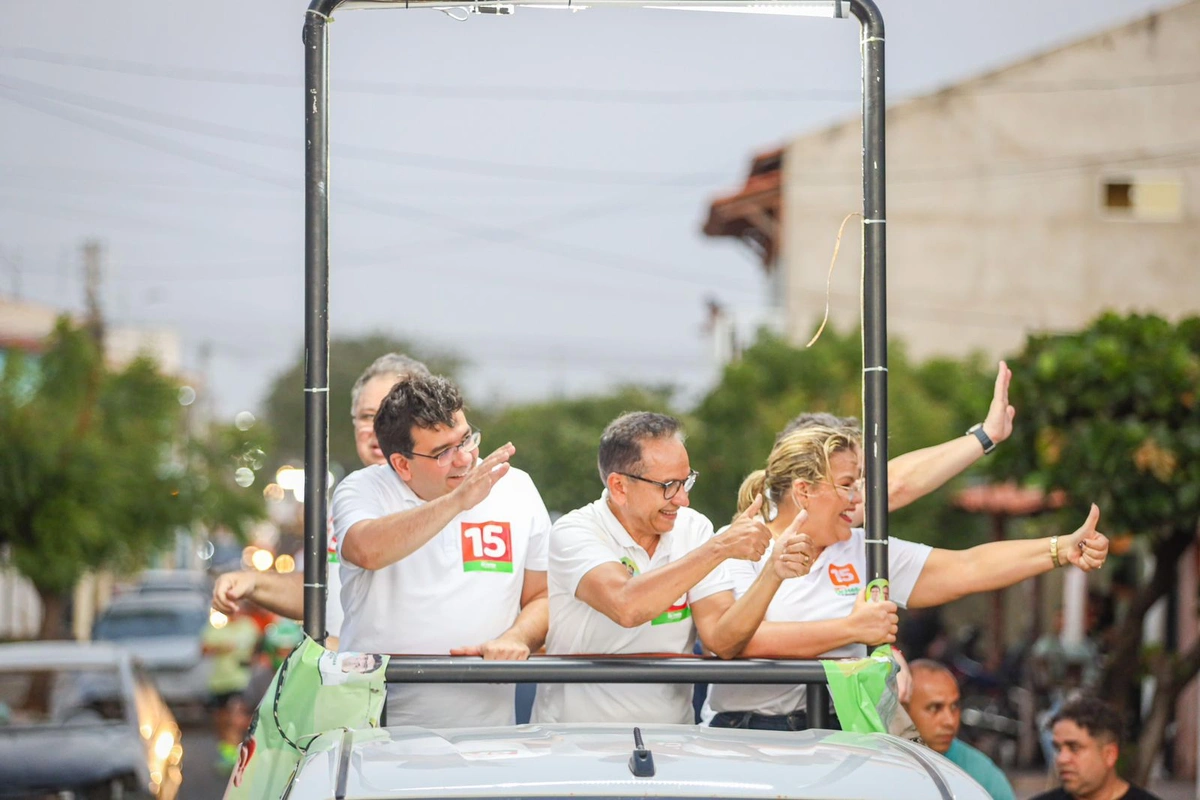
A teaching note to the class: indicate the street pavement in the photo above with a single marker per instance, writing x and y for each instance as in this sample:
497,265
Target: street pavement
200,780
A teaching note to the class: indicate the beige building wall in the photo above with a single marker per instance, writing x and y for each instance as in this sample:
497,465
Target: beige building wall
24,324
997,217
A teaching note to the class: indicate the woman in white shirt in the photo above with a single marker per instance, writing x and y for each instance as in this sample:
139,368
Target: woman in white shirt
825,614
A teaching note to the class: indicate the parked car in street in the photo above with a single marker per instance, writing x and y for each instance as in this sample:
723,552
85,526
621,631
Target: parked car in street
173,580
607,761
162,630
83,720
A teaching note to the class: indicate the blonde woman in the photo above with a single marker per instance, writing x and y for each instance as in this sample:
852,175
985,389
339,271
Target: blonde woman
818,471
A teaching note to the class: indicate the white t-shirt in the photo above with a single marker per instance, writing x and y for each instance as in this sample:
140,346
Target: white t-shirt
462,587
827,592
333,583
581,541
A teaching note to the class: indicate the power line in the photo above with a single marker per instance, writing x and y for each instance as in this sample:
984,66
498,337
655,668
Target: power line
575,94
428,161
568,94
480,231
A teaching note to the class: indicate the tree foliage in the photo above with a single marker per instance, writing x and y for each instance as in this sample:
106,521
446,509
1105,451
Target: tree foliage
557,441
94,469
1109,415
735,425
348,357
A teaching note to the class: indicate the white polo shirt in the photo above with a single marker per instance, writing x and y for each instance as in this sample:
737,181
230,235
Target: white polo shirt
463,587
588,538
827,592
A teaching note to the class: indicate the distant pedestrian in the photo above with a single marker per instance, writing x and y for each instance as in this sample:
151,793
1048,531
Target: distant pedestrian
1087,744
230,645
935,709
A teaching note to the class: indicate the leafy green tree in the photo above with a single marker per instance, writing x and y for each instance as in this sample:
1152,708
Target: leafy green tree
95,471
1109,415
348,357
735,425
557,441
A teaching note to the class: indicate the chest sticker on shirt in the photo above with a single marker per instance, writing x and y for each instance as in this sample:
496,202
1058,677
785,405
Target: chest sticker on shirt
676,613
844,578
487,547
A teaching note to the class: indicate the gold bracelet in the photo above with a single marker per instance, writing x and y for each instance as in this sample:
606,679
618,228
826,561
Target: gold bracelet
1054,551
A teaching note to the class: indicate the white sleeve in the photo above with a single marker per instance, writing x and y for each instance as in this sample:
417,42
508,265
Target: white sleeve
743,573
539,532
575,550
719,579
905,562
353,502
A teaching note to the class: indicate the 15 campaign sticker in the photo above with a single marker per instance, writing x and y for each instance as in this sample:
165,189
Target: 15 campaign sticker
487,547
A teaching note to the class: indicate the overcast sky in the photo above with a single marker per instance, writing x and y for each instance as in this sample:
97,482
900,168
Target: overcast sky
526,191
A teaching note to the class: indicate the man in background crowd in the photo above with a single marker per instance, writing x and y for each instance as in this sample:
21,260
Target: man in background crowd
934,709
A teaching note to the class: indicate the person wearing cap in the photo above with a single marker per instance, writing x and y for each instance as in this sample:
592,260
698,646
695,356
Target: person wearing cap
283,594
442,553
638,571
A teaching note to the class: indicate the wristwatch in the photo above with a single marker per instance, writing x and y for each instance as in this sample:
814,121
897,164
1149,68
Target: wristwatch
977,431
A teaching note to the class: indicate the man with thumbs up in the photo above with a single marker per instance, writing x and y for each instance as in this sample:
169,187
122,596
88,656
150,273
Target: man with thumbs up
638,571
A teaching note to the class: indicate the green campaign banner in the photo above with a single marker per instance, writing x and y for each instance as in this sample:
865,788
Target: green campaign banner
865,695
315,690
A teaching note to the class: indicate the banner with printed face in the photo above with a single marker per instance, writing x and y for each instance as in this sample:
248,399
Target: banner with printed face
315,690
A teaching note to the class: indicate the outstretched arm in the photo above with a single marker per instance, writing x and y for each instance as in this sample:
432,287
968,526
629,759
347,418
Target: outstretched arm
280,594
913,475
951,574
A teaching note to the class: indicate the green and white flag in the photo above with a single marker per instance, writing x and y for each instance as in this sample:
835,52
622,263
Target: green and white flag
865,695
315,690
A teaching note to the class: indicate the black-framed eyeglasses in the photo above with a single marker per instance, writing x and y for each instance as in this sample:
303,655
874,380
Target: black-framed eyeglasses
670,488
443,458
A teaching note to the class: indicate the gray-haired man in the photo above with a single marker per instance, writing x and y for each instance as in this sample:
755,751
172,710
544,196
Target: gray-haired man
284,594
638,571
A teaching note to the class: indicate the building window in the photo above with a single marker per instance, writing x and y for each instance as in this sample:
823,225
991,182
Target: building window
1144,198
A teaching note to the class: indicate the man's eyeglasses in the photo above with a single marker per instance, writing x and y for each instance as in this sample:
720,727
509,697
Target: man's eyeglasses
851,492
444,457
670,488
364,420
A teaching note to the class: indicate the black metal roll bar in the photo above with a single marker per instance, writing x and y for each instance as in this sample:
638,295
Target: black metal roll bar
316,338
617,669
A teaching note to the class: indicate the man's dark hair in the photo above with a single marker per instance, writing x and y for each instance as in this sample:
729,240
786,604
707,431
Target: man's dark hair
417,401
1096,717
818,419
621,442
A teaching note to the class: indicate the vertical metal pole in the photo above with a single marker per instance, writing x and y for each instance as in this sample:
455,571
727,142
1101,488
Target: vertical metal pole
316,313
817,699
874,293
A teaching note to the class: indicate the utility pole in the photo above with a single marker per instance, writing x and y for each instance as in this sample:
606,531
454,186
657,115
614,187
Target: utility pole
92,252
